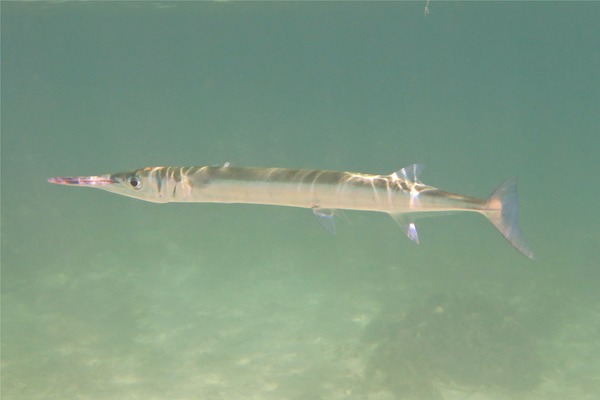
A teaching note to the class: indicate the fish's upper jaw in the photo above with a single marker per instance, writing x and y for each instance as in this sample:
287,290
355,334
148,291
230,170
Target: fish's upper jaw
83,180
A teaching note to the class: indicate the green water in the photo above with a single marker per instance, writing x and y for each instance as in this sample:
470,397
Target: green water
105,297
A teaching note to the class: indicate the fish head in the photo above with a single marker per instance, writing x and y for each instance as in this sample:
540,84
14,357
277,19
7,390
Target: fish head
139,184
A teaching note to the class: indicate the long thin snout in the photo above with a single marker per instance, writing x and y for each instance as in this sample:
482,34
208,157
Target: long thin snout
83,180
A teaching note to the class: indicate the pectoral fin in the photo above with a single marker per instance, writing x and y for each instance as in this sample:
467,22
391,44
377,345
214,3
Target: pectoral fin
325,218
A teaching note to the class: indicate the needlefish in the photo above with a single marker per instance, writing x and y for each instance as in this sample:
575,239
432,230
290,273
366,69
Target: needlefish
400,194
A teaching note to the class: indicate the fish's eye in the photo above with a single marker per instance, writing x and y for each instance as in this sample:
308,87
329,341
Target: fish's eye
135,182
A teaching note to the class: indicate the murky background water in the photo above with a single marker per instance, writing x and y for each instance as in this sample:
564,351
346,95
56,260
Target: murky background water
107,297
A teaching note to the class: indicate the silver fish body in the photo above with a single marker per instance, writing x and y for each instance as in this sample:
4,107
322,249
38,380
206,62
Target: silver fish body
400,194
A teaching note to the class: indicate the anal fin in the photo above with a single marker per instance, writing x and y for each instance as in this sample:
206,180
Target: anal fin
408,226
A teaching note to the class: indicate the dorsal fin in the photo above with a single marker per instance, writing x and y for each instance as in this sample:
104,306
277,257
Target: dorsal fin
410,173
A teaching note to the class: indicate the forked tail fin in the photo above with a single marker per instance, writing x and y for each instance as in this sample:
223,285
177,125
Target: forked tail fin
502,210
